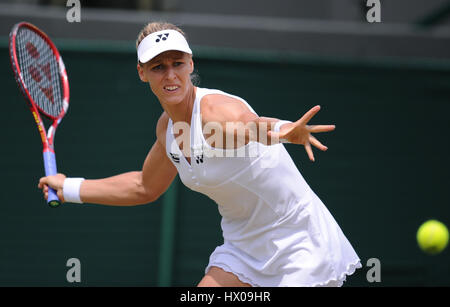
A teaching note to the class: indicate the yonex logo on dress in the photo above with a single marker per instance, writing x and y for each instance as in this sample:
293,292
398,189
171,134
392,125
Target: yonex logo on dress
199,159
166,35
175,157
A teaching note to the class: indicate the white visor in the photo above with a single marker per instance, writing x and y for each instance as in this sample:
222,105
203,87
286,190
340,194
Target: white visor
159,42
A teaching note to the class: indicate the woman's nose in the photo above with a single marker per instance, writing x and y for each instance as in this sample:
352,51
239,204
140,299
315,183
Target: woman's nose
171,74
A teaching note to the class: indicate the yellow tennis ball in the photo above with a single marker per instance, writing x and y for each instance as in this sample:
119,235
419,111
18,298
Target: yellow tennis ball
432,237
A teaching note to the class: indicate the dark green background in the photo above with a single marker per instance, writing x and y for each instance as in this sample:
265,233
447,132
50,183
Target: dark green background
386,170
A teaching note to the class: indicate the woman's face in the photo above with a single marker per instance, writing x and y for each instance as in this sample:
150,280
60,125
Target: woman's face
169,76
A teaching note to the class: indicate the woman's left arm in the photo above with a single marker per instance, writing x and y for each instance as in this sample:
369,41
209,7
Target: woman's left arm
238,123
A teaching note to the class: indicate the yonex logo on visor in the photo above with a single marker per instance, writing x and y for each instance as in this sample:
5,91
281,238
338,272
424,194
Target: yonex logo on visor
159,42
166,35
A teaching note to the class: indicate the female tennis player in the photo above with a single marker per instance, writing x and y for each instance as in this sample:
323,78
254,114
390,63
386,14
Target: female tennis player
277,232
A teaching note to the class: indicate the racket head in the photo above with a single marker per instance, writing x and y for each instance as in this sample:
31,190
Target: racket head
42,78
39,70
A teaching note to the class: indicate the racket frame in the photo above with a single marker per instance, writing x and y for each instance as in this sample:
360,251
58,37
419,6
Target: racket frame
48,137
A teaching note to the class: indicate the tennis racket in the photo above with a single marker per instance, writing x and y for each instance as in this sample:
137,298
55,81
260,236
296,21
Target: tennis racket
41,75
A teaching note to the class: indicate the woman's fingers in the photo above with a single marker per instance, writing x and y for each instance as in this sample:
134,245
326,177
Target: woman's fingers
45,191
308,115
41,183
309,151
55,181
317,143
321,128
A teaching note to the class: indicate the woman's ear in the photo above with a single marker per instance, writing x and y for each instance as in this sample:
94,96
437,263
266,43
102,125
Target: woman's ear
140,70
192,66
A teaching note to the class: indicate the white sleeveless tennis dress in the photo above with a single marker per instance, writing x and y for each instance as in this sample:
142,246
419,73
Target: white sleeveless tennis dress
276,231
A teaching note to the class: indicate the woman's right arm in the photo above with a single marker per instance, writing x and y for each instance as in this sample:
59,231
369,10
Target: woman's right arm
127,189
133,188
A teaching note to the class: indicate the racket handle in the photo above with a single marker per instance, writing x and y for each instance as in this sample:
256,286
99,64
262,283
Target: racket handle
50,169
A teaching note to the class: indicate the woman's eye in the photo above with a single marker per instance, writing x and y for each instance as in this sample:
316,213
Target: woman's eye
158,67
177,63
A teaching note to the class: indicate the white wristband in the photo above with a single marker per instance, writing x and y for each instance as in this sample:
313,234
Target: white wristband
277,128
280,123
71,190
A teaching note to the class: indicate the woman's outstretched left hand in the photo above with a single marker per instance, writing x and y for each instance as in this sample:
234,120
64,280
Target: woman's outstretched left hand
300,133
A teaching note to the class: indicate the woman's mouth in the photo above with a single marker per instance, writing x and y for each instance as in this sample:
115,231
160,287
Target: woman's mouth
171,88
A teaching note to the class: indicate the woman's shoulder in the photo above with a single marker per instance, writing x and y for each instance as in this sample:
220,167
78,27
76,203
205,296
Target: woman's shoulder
217,105
210,98
208,92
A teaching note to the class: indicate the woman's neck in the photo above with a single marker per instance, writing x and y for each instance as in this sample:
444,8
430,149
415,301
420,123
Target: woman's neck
182,112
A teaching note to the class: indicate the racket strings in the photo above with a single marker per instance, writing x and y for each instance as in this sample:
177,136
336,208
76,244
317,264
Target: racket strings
40,71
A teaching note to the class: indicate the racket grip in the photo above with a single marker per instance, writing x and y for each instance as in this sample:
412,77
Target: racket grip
50,169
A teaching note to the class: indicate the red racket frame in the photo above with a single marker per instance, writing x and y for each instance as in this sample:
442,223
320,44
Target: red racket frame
46,137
